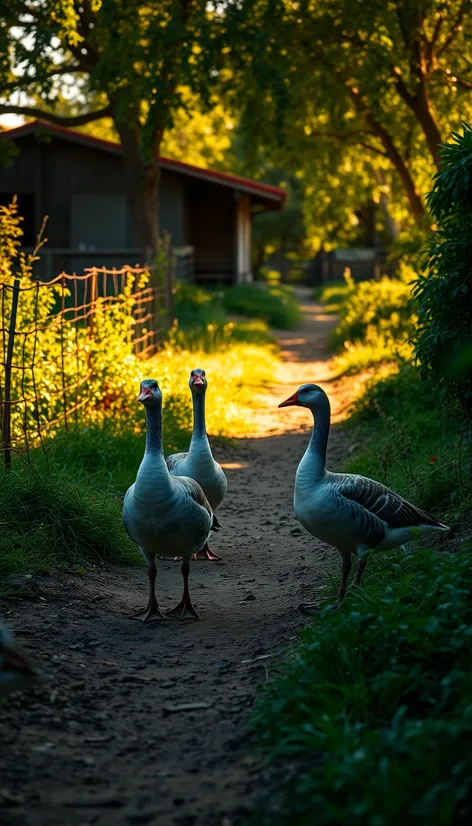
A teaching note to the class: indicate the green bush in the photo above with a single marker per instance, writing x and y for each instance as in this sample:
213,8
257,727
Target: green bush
196,307
274,304
383,305
369,720
444,291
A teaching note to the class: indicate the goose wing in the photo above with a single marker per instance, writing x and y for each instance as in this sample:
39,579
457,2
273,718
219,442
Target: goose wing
381,506
174,461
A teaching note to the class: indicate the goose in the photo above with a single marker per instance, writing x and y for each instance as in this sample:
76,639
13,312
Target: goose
351,512
15,671
199,463
163,514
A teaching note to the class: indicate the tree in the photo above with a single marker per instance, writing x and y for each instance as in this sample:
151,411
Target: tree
388,78
135,58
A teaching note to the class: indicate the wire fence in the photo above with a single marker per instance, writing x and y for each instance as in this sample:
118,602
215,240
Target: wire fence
62,338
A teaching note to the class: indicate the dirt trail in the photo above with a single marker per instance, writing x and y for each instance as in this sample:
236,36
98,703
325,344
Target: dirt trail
100,741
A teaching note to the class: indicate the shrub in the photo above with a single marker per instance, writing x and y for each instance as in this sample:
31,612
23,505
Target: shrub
443,292
274,304
384,305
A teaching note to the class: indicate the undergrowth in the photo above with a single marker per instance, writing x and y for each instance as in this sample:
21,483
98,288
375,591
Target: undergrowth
369,718
331,294
49,522
404,439
376,322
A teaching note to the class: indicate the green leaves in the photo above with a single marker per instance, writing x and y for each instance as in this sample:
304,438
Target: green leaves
370,714
443,344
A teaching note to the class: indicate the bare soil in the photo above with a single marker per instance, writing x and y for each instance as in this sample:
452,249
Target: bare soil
109,737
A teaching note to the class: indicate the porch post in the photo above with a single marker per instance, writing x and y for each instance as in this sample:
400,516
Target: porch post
243,240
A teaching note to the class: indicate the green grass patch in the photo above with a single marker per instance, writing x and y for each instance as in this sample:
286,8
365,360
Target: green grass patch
274,304
48,521
408,443
368,721
331,294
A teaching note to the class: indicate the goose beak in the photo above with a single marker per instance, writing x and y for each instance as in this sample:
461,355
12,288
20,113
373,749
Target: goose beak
292,400
146,393
198,381
14,661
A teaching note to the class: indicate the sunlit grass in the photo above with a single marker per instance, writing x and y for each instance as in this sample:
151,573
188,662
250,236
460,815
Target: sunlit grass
331,294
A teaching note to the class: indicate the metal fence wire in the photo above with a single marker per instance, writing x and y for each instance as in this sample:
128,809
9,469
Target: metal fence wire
56,335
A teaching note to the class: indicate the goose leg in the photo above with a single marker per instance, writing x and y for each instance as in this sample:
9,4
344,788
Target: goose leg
207,553
347,563
152,613
360,570
185,609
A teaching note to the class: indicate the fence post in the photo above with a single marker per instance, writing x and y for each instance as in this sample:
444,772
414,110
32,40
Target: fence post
170,286
6,423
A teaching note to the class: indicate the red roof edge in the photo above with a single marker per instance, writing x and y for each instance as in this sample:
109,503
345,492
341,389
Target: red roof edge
274,193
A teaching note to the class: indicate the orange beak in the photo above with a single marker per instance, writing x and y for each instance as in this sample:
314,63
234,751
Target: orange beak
292,400
146,393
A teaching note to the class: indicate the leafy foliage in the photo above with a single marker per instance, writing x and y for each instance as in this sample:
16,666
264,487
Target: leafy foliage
443,292
356,94
377,320
369,717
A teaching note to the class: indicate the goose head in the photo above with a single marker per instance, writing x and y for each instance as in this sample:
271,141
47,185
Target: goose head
15,670
197,381
150,393
307,395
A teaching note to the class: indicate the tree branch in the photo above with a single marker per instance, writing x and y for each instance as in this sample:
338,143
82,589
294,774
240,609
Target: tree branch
57,120
454,30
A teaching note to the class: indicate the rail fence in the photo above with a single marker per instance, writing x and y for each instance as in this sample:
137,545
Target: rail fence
61,340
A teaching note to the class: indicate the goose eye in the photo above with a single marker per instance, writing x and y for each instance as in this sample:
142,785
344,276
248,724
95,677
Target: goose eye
154,385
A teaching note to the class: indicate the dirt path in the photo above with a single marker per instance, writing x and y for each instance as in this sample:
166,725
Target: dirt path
100,741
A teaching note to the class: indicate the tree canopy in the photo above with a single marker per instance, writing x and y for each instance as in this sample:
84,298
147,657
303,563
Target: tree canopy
375,85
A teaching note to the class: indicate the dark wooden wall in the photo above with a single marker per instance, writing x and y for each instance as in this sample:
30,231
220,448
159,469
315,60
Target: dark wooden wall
61,174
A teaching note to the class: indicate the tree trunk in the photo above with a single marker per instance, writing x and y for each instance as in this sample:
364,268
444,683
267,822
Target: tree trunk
142,189
416,203
427,120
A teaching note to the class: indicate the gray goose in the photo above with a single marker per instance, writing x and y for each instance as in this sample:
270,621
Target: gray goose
163,514
353,513
199,463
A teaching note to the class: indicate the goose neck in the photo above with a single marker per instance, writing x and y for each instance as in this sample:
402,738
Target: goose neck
154,429
199,434
319,438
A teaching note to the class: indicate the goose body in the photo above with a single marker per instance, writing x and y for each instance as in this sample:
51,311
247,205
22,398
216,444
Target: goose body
353,513
198,463
164,515
16,672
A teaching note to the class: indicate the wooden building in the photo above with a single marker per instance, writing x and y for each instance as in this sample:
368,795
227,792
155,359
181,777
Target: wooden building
78,182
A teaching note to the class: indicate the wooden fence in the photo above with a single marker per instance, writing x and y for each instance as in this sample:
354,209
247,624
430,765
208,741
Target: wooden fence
52,336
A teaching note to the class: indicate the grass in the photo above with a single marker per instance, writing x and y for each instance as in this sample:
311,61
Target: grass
49,522
271,304
368,721
331,294
408,443
274,304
